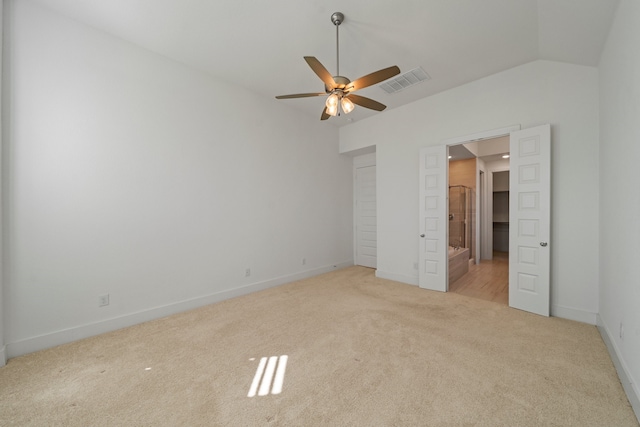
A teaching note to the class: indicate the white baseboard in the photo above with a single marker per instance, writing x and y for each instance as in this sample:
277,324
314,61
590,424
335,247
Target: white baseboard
30,345
628,384
556,310
574,314
3,356
410,280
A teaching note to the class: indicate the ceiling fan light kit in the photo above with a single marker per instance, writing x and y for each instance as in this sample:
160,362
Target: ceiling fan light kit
339,88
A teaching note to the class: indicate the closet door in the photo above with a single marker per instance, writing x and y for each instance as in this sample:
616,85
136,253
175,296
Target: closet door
529,219
365,216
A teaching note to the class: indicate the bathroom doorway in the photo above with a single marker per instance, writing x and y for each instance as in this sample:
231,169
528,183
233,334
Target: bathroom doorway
529,209
478,232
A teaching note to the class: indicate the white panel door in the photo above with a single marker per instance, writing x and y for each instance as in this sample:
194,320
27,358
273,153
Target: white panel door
433,258
366,238
529,219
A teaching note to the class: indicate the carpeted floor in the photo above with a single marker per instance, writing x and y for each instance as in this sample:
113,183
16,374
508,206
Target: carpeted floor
361,351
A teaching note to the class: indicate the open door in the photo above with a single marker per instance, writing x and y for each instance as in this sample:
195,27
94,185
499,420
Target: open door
433,257
529,219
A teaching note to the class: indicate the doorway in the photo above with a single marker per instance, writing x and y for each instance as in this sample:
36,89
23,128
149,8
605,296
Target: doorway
529,212
478,232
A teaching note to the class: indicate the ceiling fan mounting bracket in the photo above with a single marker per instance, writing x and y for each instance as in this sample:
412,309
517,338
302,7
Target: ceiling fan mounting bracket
337,18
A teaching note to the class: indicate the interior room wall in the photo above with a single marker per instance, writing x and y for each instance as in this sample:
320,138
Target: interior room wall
3,353
463,172
501,181
564,95
619,315
132,175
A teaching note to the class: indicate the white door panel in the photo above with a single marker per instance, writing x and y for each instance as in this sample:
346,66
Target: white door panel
529,219
433,251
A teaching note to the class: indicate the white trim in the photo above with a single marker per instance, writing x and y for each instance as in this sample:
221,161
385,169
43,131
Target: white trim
569,313
29,345
3,120
409,280
488,134
357,151
364,161
630,388
3,356
481,184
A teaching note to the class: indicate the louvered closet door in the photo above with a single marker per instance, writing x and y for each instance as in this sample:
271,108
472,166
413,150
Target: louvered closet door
366,223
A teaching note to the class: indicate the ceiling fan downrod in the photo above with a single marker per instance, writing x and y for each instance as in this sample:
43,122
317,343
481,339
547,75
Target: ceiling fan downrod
337,96
337,19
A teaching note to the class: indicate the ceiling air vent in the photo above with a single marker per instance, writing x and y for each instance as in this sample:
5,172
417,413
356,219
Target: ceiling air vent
403,81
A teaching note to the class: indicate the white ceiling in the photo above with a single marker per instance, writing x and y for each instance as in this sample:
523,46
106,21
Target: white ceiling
260,44
489,150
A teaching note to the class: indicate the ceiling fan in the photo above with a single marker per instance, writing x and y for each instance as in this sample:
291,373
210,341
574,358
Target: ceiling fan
339,88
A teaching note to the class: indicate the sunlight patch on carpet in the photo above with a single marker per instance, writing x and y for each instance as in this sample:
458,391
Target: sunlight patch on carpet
264,381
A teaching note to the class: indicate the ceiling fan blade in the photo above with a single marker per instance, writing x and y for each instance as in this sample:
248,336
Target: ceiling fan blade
322,72
299,95
366,102
324,115
373,78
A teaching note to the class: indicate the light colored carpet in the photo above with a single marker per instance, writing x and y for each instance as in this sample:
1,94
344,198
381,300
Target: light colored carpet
361,351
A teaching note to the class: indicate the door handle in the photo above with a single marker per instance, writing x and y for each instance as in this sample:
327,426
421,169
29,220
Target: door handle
422,235
543,244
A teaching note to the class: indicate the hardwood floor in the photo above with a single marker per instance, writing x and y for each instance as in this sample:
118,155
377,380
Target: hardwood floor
488,280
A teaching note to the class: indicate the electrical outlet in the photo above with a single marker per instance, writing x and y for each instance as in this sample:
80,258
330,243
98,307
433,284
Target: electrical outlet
304,261
103,300
247,272
415,265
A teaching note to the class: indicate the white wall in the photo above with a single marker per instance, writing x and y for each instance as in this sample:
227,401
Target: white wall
3,353
564,95
619,178
132,175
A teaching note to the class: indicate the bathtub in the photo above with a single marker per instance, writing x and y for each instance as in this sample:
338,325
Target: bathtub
458,263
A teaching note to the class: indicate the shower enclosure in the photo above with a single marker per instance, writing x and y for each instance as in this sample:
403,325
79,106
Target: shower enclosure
462,218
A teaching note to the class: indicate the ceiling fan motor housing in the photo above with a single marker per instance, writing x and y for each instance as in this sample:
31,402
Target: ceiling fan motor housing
341,83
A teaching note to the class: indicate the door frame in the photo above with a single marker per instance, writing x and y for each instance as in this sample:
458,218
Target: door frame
481,213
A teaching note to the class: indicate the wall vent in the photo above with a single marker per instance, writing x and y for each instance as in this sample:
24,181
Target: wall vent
403,81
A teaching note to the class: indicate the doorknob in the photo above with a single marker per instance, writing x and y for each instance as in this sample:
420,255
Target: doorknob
422,235
543,244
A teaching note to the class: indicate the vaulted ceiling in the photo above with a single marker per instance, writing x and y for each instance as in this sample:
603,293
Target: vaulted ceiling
260,44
